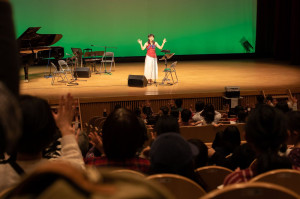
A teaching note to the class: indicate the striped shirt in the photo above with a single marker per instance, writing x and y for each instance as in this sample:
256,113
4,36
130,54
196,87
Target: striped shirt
243,176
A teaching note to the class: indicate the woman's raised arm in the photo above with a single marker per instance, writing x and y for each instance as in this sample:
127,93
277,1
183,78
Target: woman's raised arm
141,43
162,45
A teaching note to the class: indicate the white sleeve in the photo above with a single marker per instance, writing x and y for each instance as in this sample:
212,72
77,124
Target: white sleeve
217,117
70,152
197,117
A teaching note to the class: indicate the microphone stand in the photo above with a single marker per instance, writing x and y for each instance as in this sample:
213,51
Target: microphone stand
105,47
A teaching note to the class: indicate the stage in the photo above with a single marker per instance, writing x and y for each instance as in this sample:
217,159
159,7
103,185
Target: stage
196,78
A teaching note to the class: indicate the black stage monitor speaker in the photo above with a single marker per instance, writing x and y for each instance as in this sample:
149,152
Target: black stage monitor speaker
137,81
83,72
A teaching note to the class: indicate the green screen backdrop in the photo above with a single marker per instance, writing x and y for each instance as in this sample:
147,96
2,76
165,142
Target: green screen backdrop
190,26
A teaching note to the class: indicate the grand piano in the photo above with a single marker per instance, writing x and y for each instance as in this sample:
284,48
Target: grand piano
34,46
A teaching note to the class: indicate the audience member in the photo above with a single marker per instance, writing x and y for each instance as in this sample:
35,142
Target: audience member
9,56
209,115
170,153
227,141
122,137
138,113
294,136
199,106
178,104
10,121
185,118
241,158
283,106
269,101
164,110
147,110
166,124
260,99
83,142
202,158
175,113
117,106
293,103
39,127
266,131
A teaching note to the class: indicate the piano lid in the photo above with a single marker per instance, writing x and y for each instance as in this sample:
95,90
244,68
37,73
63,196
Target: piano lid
31,39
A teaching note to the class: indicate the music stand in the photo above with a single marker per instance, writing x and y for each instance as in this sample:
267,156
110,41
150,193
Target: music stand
165,58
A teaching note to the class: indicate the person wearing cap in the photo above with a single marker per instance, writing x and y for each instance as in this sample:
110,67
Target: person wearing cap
171,153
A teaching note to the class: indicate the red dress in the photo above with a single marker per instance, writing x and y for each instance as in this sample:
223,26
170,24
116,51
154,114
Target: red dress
151,50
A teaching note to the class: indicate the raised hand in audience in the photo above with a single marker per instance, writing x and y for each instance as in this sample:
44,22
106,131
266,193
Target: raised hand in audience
293,99
96,141
65,114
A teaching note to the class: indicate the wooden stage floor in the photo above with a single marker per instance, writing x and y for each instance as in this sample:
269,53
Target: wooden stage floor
195,78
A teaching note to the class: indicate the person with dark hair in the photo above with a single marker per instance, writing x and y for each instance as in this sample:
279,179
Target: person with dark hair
209,115
147,110
293,121
283,106
266,131
175,113
260,99
184,120
117,106
227,141
201,159
171,153
151,69
166,124
178,104
269,100
241,158
83,143
138,113
163,111
9,56
122,137
242,116
39,128
199,106
10,121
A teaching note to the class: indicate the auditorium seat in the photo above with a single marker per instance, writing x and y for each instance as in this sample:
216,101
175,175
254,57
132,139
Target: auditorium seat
218,173
207,133
288,178
129,172
257,190
179,186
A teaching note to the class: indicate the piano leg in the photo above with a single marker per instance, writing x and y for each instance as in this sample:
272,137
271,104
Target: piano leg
26,72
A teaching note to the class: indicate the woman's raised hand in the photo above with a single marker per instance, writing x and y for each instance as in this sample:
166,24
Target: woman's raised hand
164,41
65,114
140,41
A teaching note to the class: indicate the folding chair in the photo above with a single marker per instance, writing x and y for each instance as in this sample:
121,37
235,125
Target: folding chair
108,57
64,66
169,72
58,74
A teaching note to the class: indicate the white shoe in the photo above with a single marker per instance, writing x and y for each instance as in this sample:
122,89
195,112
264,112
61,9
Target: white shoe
26,80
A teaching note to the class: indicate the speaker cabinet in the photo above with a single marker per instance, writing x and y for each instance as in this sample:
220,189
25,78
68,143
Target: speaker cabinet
137,81
83,72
